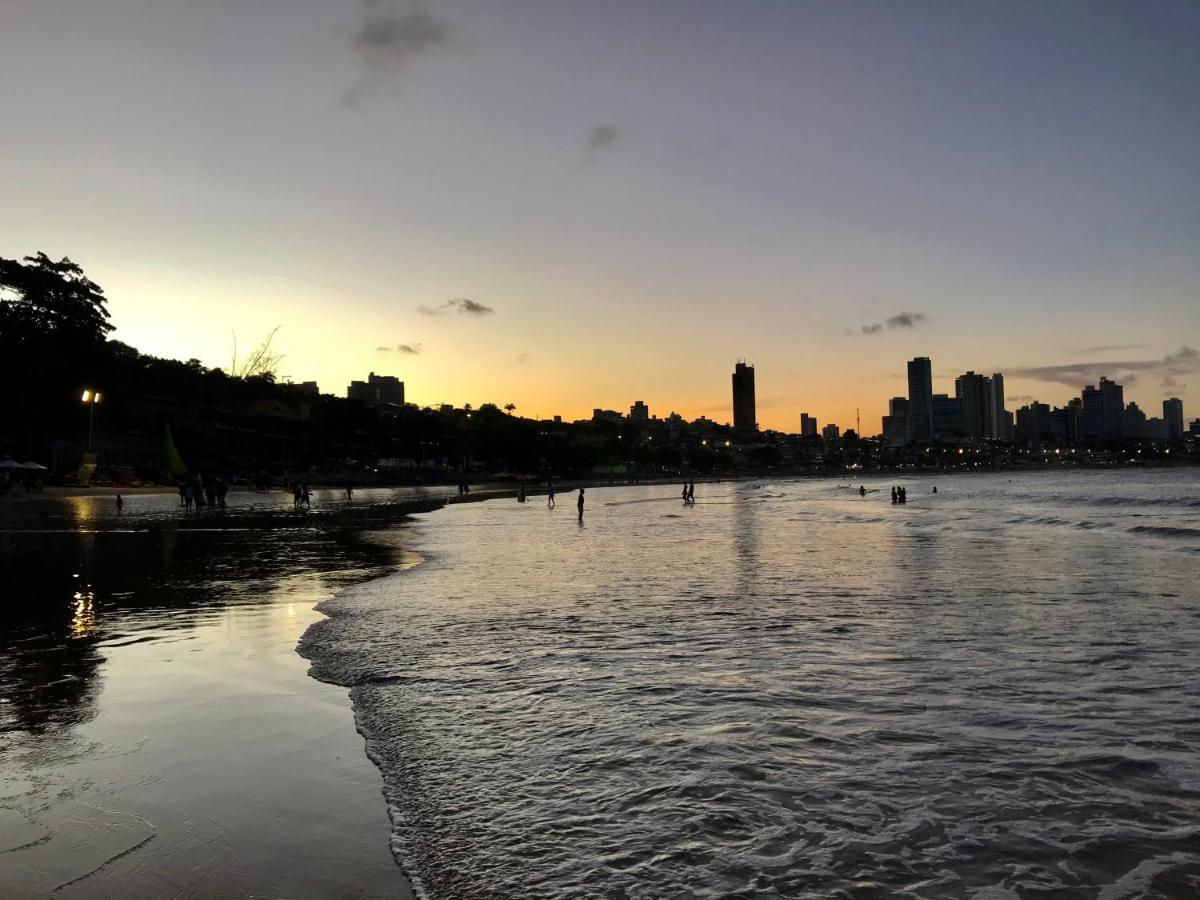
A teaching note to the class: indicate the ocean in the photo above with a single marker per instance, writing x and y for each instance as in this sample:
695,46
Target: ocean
791,690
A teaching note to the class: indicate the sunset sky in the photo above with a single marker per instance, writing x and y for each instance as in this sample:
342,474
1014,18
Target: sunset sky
631,195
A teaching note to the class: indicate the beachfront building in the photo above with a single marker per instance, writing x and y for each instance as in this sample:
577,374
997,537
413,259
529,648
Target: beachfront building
831,432
639,412
920,400
744,415
1173,416
377,390
808,425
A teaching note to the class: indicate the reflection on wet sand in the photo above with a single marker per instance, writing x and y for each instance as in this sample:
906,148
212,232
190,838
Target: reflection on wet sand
125,647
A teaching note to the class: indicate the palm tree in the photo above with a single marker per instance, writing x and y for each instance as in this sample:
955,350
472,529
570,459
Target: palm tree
509,407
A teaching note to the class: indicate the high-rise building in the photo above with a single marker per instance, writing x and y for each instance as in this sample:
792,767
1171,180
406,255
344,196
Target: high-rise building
1173,416
377,390
1064,422
999,431
744,416
639,412
1033,423
831,432
947,418
808,425
975,393
1102,417
1135,423
895,423
920,399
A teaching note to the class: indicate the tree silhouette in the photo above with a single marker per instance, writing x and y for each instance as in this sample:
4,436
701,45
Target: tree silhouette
509,408
41,298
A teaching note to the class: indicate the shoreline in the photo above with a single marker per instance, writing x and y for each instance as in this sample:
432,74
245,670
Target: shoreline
197,756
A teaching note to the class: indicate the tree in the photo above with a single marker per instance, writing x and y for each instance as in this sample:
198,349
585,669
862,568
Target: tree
509,408
41,299
261,363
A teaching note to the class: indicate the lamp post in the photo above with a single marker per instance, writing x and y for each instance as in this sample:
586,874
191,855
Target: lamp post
91,398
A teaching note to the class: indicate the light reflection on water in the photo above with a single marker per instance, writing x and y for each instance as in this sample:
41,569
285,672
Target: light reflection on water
789,690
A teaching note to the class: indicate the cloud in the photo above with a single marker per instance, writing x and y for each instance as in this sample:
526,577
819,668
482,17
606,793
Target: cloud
464,305
523,358
1109,348
1020,398
905,320
387,36
900,320
1173,366
411,349
601,140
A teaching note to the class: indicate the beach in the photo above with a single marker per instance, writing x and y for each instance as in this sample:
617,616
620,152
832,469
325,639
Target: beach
159,734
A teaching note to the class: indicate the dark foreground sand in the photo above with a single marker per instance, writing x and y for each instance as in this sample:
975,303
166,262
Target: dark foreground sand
163,738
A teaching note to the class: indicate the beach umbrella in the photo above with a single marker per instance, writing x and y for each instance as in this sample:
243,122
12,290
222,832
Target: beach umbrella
10,464
35,466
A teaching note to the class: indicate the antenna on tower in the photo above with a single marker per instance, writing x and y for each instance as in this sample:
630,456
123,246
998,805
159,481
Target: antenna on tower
857,422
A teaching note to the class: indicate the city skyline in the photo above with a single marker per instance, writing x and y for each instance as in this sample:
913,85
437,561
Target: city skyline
826,190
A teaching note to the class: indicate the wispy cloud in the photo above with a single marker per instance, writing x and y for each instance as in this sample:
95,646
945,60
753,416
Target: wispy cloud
1109,348
411,349
464,305
899,320
1171,369
601,140
388,35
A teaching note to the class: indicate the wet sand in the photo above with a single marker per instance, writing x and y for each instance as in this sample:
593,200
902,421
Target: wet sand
159,734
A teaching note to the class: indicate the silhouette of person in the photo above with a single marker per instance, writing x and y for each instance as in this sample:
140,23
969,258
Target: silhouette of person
895,496
182,493
935,488
550,497
862,490
120,504
684,494
579,503
691,492
306,496
521,493
349,493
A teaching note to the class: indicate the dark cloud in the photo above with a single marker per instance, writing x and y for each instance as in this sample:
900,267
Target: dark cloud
601,140
387,36
1173,366
900,320
411,349
464,305
905,320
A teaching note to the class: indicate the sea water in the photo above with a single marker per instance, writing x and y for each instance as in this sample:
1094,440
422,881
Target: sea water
791,690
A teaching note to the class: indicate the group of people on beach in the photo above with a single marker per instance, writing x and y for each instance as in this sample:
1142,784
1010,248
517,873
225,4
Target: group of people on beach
301,495
899,495
689,493
199,492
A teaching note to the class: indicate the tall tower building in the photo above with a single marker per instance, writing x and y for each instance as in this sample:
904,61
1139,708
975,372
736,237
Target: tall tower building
920,399
1173,416
975,393
1114,409
808,425
999,420
744,415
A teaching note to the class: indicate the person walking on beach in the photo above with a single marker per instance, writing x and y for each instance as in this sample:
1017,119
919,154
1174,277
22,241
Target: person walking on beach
306,496
579,503
187,498
683,494
120,504
691,492
349,493
182,491
895,496
550,495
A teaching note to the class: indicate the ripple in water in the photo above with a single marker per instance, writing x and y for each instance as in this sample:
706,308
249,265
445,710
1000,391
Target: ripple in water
803,694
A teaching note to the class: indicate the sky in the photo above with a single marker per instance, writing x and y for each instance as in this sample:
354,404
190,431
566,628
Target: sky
567,205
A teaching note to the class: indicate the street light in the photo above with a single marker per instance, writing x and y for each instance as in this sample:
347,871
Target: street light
91,398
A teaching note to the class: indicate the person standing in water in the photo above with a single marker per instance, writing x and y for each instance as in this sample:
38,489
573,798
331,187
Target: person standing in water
691,492
579,503
862,490
120,504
